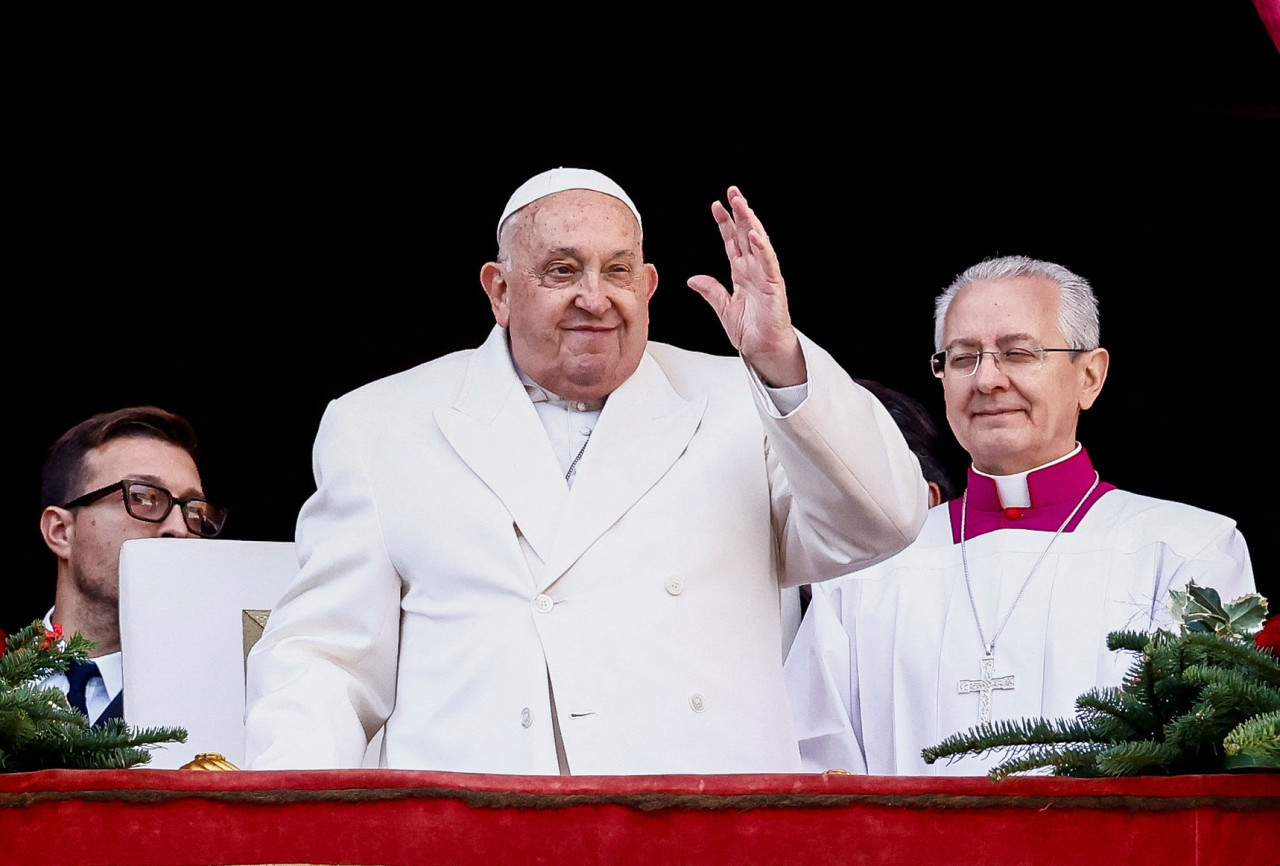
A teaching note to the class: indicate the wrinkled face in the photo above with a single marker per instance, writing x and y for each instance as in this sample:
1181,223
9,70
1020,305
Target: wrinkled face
1012,424
100,527
574,296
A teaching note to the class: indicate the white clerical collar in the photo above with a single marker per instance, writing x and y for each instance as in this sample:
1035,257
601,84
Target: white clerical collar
1013,489
568,423
539,394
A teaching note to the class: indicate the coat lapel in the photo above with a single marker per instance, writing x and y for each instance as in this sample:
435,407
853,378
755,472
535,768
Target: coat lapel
643,430
494,428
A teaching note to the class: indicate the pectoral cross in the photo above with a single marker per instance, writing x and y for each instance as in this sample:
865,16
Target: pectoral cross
985,686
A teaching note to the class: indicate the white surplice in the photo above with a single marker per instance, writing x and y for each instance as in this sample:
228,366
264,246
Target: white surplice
874,673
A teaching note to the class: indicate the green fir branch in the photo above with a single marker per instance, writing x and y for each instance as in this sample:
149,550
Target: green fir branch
25,659
1187,701
1077,760
1137,758
1258,737
110,745
1133,641
1112,715
39,730
1007,733
1201,730
1234,688
1169,694
1242,656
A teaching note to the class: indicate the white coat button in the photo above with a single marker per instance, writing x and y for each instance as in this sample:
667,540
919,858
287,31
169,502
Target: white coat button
675,586
585,431
543,603
526,717
697,703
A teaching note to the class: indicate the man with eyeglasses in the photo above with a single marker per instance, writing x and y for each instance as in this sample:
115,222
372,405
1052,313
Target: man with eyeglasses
119,475
1001,607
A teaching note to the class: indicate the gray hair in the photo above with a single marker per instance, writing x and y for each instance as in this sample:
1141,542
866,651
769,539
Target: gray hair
1077,311
507,235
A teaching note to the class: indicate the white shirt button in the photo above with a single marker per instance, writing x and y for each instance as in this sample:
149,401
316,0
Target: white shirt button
585,431
580,406
697,703
543,603
675,586
526,717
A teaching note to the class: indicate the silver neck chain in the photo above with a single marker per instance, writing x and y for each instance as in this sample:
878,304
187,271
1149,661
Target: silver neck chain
990,648
573,467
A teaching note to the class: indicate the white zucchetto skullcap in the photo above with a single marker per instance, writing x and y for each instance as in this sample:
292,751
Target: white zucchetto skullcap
561,179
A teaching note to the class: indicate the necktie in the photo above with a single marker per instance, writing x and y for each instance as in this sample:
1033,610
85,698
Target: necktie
78,675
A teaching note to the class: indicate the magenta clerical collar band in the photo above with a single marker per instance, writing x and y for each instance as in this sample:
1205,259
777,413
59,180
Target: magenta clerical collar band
1055,491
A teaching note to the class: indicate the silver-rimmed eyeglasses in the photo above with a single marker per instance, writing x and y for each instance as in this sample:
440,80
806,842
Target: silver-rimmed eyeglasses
148,502
957,363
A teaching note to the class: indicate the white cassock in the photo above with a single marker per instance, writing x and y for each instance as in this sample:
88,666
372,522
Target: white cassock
874,674
457,588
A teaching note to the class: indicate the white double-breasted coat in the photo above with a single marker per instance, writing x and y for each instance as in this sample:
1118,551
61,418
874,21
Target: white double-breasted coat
453,585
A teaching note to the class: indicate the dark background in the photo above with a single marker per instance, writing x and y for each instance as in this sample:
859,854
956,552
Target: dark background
240,236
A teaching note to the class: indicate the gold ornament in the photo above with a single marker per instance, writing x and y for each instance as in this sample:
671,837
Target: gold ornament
209,761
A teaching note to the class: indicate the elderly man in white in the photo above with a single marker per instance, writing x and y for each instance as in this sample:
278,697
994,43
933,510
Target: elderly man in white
1001,608
561,552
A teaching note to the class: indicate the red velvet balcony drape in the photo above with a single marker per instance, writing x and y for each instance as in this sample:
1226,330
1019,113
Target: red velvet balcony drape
393,817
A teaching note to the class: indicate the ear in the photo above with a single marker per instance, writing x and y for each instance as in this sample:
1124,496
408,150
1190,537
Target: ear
494,279
57,525
935,494
651,279
1093,373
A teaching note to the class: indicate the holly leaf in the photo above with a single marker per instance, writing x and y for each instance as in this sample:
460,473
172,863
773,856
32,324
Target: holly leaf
1247,613
1201,609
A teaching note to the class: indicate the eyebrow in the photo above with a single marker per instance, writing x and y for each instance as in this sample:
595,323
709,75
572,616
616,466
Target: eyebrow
577,254
157,481
1001,341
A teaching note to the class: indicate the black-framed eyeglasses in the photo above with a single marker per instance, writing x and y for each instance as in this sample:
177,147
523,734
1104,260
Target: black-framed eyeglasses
148,502
957,363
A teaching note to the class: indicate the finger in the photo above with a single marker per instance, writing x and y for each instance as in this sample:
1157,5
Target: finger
712,291
743,214
765,256
724,222
743,219
755,240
